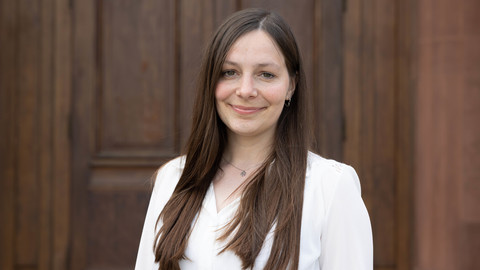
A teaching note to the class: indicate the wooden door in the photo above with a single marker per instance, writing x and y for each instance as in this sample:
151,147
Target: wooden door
96,94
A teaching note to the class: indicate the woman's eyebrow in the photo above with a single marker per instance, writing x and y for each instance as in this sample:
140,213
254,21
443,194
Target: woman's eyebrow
227,62
265,64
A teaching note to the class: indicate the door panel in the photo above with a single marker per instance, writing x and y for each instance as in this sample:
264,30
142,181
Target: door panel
135,98
125,123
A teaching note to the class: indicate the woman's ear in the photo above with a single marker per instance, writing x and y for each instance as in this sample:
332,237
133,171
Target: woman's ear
291,87
290,93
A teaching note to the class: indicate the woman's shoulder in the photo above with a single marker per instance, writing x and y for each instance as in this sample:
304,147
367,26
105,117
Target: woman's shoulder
319,163
172,166
169,173
329,173
327,179
175,163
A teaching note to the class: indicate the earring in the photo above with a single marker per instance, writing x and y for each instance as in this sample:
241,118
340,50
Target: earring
287,104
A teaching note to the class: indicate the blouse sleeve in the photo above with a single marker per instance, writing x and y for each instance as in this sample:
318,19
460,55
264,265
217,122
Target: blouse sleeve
145,255
347,235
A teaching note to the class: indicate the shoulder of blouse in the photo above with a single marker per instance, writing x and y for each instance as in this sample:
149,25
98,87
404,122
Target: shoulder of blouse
177,163
168,174
328,170
327,176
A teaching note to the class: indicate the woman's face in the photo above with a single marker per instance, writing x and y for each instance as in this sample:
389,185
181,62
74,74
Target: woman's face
253,87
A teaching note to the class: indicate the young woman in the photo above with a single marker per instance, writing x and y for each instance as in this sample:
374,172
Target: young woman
248,194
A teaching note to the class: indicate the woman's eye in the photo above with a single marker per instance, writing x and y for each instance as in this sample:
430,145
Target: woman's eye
228,73
267,75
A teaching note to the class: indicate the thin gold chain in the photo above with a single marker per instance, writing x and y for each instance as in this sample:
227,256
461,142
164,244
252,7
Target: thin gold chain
243,172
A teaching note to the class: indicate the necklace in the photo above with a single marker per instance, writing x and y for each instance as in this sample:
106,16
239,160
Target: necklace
242,171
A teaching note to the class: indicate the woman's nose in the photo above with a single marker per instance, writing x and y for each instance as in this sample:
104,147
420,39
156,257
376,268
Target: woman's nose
247,87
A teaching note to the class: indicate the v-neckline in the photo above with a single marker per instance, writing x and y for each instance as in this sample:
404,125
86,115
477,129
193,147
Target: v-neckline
212,202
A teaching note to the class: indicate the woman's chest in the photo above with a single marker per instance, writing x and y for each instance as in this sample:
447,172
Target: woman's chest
204,249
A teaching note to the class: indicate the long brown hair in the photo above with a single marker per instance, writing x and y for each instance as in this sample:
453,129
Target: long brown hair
274,196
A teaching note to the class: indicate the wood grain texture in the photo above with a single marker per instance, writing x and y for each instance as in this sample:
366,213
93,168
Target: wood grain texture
8,117
61,152
45,137
329,112
470,190
405,118
124,123
470,249
446,134
87,80
195,25
112,236
135,113
29,91
27,197
370,102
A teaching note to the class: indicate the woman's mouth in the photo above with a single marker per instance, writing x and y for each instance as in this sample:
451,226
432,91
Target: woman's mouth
246,110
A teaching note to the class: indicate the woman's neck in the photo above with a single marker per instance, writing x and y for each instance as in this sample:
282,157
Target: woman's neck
247,151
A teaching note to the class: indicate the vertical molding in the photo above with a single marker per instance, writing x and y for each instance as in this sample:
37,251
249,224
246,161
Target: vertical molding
329,133
100,34
87,42
191,38
177,80
353,86
62,88
195,24
470,147
45,139
406,66
314,91
27,197
8,87
382,125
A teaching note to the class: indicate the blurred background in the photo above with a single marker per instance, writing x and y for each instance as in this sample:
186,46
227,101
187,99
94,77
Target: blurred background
97,94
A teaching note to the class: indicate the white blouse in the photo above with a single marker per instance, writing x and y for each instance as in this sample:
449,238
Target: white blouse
335,235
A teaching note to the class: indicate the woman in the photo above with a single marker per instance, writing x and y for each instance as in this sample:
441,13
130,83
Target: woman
248,194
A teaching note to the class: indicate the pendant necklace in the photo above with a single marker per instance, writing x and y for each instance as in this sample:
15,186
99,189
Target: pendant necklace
242,171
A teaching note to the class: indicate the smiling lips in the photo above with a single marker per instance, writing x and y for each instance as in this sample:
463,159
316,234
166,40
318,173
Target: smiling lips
246,110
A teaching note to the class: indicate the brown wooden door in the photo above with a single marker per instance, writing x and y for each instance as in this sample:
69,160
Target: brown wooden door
97,94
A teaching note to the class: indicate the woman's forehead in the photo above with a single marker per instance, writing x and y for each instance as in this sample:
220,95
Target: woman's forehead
256,47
